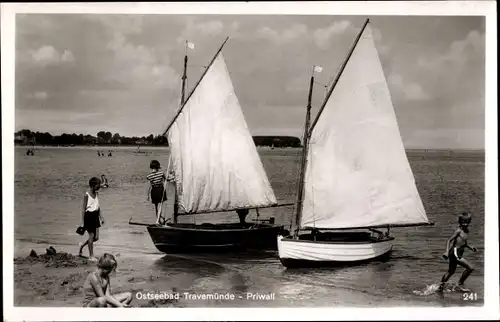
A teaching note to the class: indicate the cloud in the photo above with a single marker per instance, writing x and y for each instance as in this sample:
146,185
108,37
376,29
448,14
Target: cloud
382,48
34,24
128,66
195,29
125,24
297,84
464,138
263,119
45,54
322,36
48,55
294,32
38,96
456,75
213,27
67,56
235,26
411,90
458,54
139,66
50,120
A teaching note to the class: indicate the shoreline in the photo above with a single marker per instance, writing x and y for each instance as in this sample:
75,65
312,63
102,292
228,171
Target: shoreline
160,147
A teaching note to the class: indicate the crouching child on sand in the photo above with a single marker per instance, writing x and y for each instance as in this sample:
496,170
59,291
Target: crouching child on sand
97,286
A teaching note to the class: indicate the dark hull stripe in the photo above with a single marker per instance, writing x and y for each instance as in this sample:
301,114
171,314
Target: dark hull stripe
179,239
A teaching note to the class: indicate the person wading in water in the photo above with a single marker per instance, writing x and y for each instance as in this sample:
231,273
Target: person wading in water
91,218
455,248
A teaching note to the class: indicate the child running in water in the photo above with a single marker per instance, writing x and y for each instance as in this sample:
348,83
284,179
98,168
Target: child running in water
156,188
455,248
97,286
91,216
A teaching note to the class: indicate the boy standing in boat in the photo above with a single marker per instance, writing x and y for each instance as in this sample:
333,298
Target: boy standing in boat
156,189
455,248
91,216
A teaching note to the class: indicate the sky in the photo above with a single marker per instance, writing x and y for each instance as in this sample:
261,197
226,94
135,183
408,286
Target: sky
80,73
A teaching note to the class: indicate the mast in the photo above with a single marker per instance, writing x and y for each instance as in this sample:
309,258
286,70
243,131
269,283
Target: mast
183,93
300,189
184,76
337,78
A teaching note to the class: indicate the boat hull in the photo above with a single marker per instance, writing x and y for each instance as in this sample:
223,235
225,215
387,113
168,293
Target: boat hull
332,249
175,238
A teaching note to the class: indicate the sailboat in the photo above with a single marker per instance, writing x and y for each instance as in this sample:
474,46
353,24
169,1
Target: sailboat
355,177
216,168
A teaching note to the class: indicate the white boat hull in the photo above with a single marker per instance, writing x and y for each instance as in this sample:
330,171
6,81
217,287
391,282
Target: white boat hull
294,252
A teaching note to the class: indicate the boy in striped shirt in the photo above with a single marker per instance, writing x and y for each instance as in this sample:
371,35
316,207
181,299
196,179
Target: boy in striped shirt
156,188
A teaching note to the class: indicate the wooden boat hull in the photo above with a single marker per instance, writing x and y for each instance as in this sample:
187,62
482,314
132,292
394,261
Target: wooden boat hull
332,248
175,238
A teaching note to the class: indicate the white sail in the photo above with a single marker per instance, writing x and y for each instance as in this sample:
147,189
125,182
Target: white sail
357,172
214,158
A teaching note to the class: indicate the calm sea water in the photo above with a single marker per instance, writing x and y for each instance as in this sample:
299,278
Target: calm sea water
49,188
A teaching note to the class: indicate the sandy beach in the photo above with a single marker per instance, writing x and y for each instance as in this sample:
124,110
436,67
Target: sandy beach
57,281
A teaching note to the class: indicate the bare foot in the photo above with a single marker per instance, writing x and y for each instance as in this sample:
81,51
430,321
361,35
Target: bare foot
461,288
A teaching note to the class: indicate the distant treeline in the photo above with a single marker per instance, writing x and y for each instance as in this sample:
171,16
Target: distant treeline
27,137
277,141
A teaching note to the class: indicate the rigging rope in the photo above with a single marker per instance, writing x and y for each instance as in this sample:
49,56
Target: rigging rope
312,189
295,203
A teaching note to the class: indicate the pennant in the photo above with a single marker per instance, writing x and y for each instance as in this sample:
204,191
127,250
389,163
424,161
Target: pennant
318,69
190,45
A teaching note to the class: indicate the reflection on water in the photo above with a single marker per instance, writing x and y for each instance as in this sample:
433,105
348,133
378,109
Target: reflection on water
49,188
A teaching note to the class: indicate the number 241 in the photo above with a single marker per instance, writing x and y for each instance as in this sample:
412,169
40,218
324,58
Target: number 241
470,296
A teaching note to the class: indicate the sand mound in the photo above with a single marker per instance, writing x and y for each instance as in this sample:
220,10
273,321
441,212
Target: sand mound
52,259
37,278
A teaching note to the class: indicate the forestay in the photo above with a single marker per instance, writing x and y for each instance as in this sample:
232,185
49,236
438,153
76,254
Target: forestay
214,158
357,172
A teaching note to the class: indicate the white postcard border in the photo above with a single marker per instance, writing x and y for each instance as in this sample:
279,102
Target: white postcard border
372,8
